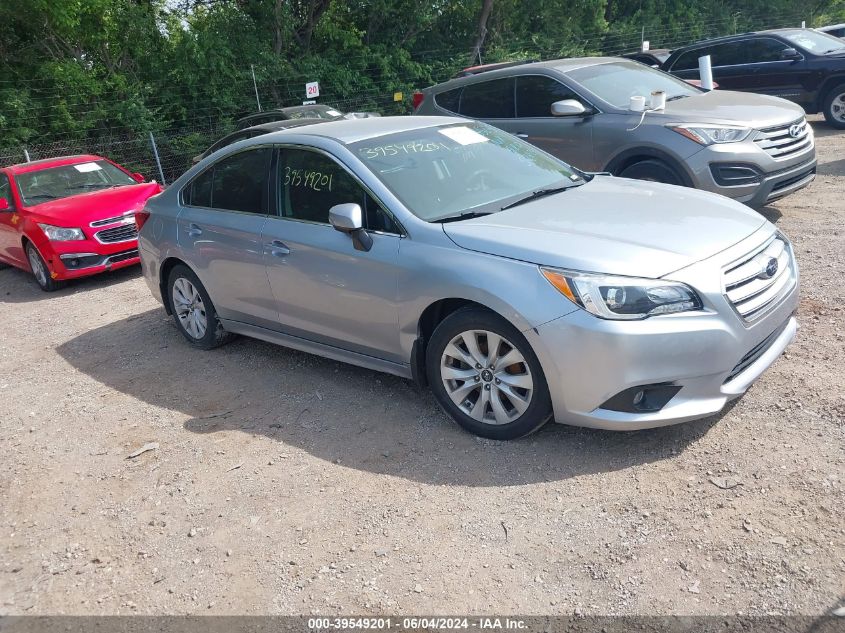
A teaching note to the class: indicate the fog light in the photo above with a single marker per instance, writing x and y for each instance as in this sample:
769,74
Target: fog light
638,397
642,398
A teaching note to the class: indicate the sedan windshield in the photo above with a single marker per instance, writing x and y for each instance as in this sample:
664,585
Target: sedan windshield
814,42
617,82
465,170
53,183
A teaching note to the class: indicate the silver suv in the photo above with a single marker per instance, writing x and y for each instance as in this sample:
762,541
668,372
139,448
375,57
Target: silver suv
749,147
453,253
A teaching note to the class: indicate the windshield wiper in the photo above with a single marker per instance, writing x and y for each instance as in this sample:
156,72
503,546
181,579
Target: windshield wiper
834,50
47,196
466,215
676,97
540,193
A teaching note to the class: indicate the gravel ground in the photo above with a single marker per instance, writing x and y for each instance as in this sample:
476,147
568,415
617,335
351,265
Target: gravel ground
283,483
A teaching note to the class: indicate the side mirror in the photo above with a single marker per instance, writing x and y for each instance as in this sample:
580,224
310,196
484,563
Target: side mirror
568,107
348,218
790,53
4,205
138,177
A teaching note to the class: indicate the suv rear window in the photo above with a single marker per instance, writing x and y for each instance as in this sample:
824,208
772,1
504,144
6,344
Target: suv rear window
488,100
449,100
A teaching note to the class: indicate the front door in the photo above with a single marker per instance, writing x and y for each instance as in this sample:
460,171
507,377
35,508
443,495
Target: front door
10,237
219,228
569,138
326,291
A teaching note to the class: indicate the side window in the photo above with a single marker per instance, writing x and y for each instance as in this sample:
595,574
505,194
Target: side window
729,54
764,49
689,60
6,190
449,100
237,183
311,183
535,95
488,100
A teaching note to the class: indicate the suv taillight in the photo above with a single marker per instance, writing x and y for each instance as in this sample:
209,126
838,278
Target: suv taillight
416,99
141,217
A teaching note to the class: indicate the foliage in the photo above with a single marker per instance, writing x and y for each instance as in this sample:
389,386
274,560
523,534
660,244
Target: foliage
83,70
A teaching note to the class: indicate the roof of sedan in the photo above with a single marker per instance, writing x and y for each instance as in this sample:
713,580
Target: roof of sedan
58,161
354,130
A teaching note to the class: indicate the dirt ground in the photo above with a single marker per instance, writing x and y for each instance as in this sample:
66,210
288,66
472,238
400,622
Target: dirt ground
284,483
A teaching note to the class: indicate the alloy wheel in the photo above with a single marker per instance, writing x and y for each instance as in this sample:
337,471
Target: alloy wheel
38,268
486,377
189,308
837,107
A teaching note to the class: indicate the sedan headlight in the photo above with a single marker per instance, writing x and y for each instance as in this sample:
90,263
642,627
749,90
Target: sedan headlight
61,234
622,298
709,134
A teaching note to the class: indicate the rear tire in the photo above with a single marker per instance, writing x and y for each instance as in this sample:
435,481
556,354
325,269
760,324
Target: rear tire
42,274
193,310
653,170
485,375
834,107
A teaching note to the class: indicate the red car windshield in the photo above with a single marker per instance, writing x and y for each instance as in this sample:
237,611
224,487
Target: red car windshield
69,180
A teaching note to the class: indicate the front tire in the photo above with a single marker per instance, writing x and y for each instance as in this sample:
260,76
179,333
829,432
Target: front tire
42,274
193,310
834,107
485,375
652,170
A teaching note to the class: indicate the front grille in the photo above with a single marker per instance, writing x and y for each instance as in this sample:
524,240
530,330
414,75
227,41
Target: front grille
755,352
122,233
779,143
783,184
750,288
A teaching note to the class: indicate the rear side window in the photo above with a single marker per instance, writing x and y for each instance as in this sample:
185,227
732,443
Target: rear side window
6,190
489,99
689,60
237,183
535,95
729,54
449,100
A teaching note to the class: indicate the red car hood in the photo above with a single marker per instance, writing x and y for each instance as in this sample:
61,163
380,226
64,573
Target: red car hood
82,209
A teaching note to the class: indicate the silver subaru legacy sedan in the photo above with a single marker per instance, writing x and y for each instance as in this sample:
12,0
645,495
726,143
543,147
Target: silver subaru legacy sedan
457,255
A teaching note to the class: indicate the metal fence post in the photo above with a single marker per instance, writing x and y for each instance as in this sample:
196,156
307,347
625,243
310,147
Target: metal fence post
158,161
26,153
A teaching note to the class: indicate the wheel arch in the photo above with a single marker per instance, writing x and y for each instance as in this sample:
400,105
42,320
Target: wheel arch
634,155
168,264
432,316
829,84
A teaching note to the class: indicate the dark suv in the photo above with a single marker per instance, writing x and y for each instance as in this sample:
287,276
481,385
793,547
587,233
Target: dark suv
801,65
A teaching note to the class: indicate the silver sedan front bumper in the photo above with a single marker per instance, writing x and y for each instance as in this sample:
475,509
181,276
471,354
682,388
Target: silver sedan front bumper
711,357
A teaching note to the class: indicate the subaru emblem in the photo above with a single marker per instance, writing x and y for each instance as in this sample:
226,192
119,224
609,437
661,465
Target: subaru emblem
771,268
795,130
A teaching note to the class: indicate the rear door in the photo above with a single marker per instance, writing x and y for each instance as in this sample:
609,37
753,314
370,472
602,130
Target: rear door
775,76
219,230
326,290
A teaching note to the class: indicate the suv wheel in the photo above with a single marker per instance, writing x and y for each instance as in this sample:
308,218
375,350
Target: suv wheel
834,107
193,310
485,375
652,169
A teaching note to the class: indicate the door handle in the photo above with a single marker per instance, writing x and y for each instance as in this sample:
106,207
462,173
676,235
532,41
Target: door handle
522,135
278,248
194,230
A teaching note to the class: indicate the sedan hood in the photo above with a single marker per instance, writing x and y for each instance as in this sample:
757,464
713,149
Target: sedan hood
743,108
612,225
95,205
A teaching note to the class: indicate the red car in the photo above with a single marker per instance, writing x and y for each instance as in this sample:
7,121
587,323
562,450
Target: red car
70,217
